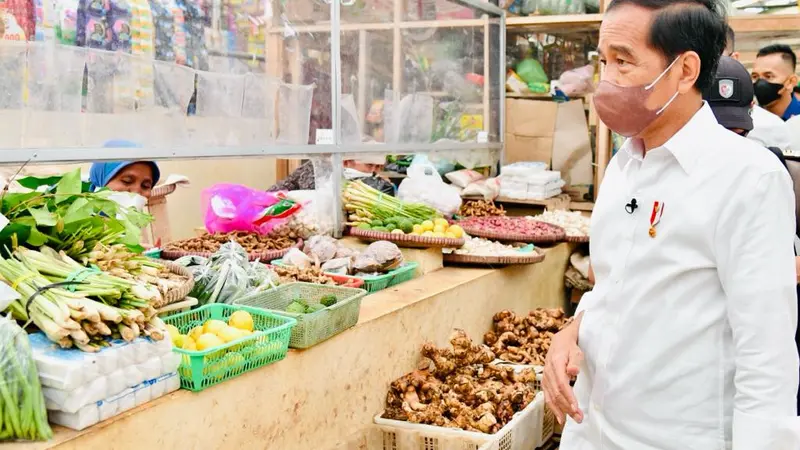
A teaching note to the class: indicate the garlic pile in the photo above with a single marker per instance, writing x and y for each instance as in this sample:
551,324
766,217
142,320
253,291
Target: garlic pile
483,247
573,222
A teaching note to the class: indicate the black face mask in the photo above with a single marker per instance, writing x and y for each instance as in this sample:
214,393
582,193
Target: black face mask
767,92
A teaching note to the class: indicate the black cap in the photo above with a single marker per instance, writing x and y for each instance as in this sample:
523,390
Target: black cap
731,95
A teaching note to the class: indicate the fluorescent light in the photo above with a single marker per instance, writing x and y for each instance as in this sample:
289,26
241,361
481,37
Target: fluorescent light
753,10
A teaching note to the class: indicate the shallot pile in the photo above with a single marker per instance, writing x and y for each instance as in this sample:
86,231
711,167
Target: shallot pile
528,230
525,339
457,388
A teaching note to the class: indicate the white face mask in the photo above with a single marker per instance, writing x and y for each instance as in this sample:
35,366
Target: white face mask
129,200
352,174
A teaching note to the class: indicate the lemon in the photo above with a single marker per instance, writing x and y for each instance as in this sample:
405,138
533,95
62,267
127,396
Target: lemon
440,222
207,341
450,235
195,333
213,326
397,232
456,230
241,320
188,343
234,361
427,225
417,229
177,341
438,234
428,233
173,331
439,229
228,334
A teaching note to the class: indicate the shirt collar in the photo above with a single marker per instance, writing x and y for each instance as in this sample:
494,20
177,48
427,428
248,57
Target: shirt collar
792,110
683,145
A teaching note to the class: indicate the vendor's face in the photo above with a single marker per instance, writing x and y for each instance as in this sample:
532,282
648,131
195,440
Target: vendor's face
136,178
628,60
363,167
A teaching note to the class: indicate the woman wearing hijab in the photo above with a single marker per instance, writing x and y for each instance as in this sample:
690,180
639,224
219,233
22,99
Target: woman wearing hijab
137,177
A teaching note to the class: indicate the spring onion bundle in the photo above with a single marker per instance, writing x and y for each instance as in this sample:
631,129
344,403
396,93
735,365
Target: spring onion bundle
364,203
22,411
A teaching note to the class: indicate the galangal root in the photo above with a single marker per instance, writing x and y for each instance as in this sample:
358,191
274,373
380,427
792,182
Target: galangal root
525,339
457,388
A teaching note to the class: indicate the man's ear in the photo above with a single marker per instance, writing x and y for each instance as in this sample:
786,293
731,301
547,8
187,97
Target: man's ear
792,82
735,55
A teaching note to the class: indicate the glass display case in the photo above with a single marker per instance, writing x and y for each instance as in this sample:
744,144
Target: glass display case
210,78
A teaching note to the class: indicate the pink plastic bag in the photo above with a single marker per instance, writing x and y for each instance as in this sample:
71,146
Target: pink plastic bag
233,207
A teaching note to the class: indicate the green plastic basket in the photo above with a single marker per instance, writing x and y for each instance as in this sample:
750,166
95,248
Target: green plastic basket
202,369
377,283
316,327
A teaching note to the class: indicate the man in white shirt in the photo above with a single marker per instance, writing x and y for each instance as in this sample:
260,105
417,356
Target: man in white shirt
687,340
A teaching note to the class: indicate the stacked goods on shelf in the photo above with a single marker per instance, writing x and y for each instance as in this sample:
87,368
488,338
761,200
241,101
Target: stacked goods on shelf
82,389
529,181
524,339
23,412
219,342
456,389
575,224
505,228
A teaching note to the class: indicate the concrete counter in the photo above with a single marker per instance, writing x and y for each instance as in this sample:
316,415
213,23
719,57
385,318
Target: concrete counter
325,397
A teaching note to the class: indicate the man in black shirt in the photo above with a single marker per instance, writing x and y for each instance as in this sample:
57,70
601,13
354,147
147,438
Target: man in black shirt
731,98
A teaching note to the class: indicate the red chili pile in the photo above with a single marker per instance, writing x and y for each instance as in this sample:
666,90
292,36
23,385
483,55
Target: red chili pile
518,228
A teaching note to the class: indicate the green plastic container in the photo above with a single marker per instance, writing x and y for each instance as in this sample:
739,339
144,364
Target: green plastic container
154,253
377,283
202,369
316,327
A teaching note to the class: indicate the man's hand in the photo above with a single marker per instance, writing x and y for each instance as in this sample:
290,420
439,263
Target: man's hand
797,268
563,364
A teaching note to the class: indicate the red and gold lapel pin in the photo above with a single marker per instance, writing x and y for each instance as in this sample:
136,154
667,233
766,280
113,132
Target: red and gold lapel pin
655,217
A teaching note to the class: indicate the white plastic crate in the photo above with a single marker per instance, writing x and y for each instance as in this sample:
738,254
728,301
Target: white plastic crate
524,432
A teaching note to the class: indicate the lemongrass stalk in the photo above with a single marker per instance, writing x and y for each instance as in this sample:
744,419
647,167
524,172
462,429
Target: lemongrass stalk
79,336
88,348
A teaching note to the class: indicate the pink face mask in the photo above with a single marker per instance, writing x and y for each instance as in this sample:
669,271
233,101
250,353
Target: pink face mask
623,108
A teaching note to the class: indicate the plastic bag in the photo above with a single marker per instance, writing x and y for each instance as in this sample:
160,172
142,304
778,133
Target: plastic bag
462,178
424,185
22,402
577,81
228,275
489,189
233,207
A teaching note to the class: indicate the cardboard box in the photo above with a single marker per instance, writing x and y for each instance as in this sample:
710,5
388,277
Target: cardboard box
554,133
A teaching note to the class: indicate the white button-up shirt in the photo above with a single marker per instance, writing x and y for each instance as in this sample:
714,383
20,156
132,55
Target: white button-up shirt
688,336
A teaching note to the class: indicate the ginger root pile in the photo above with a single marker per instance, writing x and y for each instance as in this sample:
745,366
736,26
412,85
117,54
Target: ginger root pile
457,388
524,339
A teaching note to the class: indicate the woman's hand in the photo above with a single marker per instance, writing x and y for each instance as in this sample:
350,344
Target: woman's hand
562,365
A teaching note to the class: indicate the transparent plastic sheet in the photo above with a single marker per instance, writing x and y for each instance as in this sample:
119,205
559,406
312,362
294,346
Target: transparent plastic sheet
294,113
258,110
12,66
174,86
351,124
22,403
117,91
409,121
55,82
219,103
